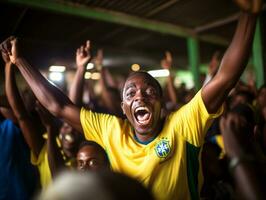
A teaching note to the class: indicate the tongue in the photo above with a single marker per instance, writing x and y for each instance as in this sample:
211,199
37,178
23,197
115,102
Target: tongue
143,117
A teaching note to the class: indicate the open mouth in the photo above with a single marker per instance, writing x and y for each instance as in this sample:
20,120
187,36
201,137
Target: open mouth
142,115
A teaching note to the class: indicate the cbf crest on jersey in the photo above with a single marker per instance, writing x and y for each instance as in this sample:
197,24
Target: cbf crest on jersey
162,148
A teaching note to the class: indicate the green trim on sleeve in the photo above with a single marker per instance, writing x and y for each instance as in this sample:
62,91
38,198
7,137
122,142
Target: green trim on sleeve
193,169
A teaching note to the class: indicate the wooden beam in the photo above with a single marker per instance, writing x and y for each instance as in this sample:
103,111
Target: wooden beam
217,23
166,5
118,18
220,22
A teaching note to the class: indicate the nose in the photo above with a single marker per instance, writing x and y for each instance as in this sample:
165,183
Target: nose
85,167
140,95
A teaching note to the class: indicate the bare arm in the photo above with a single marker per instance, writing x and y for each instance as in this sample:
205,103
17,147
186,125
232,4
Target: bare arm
5,109
4,102
31,134
110,97
233,62
244,168
55,158
83,56
49,96
8,114
166,63
107,79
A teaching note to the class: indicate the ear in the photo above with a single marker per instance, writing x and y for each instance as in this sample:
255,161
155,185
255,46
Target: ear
122,106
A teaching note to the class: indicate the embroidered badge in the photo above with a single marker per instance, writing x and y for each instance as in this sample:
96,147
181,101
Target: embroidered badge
162,148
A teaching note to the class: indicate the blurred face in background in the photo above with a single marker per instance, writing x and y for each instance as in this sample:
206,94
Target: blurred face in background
70,140
91,157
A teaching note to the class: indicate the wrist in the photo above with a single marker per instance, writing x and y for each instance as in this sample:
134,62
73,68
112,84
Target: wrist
8,64
237,160
81,67
18,61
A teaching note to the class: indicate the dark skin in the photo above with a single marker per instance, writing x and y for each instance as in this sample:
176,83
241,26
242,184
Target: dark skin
69,139
246,174
142,106
90,158
5,109
30,131
110,99
55,159
166,63
83,57
213,94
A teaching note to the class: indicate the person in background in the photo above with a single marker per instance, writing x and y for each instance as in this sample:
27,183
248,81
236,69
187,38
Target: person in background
91,156
244,163
162,153
18,177
213,67
104,185
171,97
41,146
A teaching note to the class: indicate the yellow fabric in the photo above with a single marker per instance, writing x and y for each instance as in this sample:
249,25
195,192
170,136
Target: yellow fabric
166,175
43,165
220,143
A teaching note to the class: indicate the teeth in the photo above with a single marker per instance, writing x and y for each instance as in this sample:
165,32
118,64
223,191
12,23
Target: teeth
142,108
142,115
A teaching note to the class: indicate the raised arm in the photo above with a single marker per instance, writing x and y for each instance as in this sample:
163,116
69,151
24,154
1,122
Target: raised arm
244,167
4,102
49,96
5,109
166,63
31,134
83,56
55,157
212,68
110,94
235,58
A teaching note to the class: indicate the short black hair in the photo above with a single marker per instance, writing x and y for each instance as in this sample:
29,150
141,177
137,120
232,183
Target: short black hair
96,145
150,77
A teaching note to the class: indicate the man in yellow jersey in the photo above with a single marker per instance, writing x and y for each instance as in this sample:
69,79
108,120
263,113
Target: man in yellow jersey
162,153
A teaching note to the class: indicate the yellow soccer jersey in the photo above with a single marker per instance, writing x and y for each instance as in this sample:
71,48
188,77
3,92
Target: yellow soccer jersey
43,164
168,165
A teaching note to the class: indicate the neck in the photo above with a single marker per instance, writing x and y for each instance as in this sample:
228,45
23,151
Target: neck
148,137
144,139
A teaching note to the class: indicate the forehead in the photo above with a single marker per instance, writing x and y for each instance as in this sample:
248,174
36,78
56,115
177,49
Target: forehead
88,150
140,80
